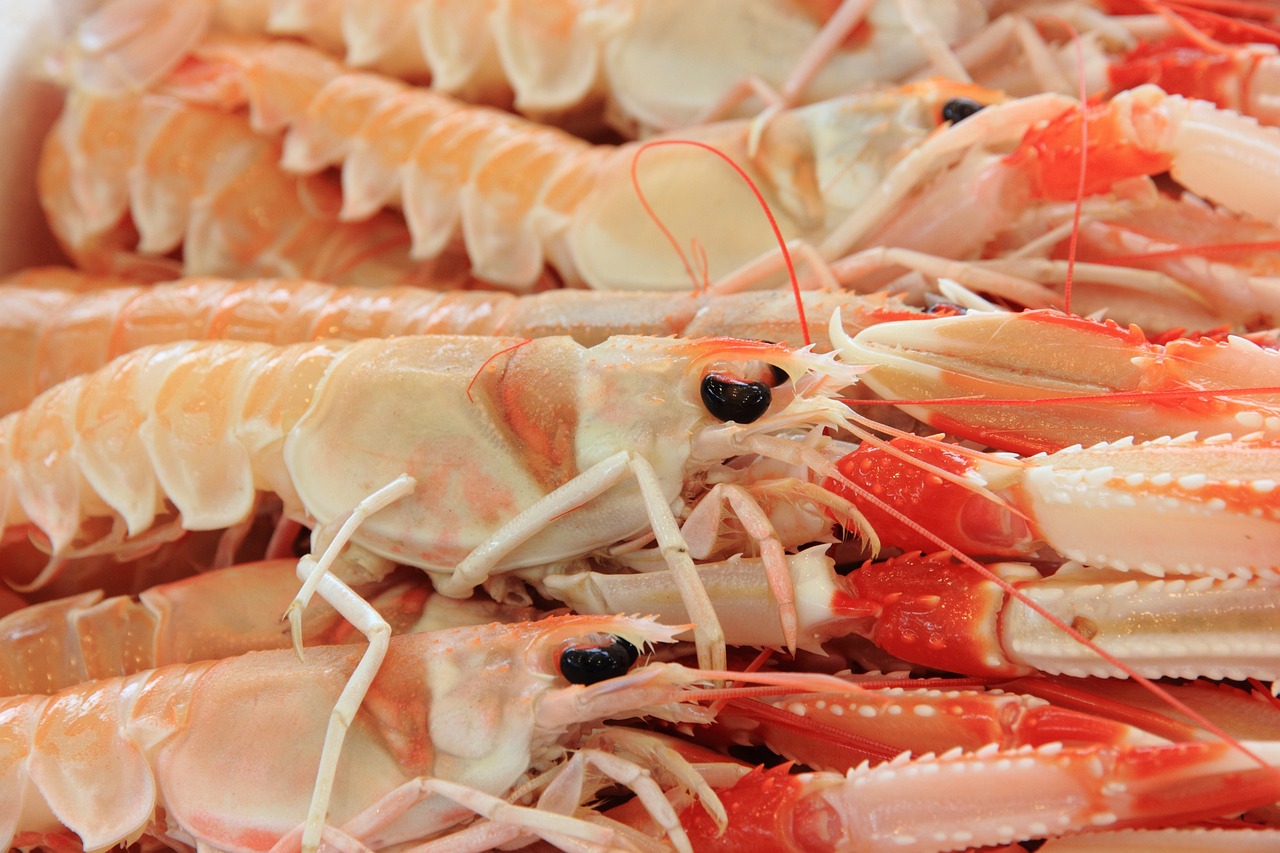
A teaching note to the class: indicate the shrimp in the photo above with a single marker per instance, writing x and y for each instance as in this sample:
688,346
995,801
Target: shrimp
52,334
555,59
156,748
520,195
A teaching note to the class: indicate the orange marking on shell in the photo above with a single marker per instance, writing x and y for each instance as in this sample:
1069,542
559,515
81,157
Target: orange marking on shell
967,521
932,612
1051,152
1180,68
1130,335
1238,498
539,406
759,807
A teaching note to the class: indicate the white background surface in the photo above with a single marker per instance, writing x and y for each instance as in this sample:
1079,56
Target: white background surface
28,104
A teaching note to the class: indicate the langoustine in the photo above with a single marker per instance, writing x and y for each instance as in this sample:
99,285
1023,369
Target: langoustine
403,756
208,616
274,419
518,194
58,324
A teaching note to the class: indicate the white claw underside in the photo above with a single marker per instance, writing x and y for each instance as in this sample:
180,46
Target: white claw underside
1169,506
1001,797
1184,627
1027,781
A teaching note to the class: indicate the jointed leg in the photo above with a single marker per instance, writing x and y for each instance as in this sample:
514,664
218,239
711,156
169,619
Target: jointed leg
587,486
757,526
316,578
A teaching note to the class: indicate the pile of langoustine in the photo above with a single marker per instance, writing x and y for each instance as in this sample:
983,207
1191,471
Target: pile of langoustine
1073,589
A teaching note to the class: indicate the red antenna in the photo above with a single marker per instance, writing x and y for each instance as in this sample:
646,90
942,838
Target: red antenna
1073,243
697,248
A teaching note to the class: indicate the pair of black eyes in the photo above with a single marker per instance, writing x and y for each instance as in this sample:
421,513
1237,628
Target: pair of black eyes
587,664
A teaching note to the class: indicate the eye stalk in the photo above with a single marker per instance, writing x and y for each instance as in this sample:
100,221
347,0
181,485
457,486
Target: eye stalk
959,109
594,660
728,398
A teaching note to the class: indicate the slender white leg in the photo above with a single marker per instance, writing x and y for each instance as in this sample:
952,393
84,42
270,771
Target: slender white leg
524,819
805,257
315,577
637,778
757,526
385,496
808,64
969,274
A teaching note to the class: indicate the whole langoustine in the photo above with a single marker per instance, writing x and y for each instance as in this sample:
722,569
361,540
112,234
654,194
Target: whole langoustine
519,196
52,334
864,171
609,442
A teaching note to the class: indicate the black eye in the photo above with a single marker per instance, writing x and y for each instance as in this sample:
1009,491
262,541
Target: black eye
730,399
959,109
588,664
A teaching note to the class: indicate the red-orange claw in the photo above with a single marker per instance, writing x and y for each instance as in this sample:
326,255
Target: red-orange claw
935,612
1180,67
961,517
762,817
1218,154
1110,154
1089,381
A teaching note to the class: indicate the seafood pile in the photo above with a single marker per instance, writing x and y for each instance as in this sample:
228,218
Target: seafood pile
646,425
